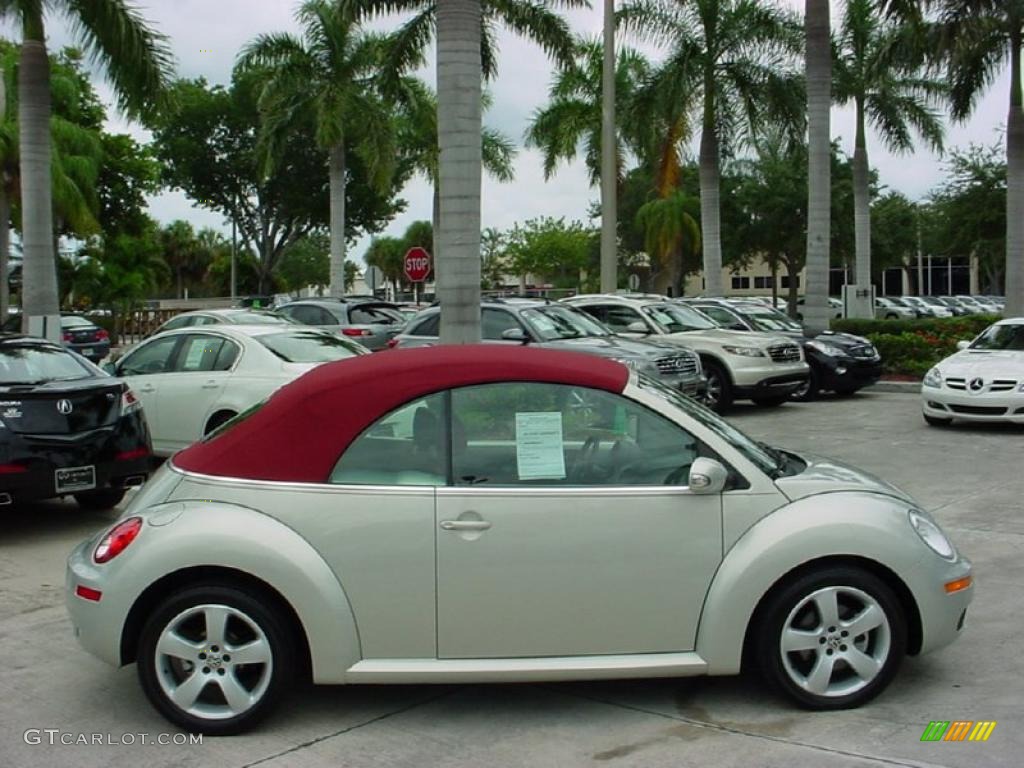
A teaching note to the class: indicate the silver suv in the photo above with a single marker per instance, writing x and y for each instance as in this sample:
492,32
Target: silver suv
762,367
556,326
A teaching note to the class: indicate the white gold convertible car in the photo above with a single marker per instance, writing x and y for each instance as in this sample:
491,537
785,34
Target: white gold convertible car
984,381
484,513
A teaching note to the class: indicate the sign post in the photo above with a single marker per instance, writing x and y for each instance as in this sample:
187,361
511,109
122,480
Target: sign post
417,266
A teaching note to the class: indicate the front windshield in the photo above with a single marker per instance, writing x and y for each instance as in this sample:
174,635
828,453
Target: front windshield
750,449
552,323
37,364
309,346
678,318
1001,337
765,319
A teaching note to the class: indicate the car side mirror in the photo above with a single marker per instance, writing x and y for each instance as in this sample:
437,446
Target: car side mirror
638,326
707,476
515,334
962,345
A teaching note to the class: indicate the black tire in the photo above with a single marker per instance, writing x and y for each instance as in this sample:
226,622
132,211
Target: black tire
892,316
217,420
847,391
718,395
793,605
936,421
107,498
808,391
271,679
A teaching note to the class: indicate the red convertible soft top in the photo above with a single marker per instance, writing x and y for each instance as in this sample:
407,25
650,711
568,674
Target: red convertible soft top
302,430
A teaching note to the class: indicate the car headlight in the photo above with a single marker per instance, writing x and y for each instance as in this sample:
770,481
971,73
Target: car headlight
933,378
932,535
826,349
744,351
630,362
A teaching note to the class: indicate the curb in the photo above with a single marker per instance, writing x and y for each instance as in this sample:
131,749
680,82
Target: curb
904,387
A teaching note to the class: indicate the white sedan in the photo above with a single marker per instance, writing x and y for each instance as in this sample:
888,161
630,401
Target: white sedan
984,381
192,380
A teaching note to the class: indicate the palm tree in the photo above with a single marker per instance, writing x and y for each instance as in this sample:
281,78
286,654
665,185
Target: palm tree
671,234
138,64
326,75
735,54
818,69
878,69
419,144
573,115
977,39
465,53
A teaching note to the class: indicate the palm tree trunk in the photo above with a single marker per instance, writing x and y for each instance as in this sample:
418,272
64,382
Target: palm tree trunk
819,172
40,311
861,213
710,224
609,166
435,222
336,175
5,244
1015,183
459,139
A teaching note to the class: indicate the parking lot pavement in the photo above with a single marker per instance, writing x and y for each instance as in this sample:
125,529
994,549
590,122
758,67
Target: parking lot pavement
971,478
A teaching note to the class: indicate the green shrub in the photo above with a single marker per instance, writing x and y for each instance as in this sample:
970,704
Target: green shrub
911,347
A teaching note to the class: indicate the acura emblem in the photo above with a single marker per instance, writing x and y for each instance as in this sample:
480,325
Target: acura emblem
976,385
64,407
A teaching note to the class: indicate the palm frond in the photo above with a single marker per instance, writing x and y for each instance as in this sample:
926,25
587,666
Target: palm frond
534,21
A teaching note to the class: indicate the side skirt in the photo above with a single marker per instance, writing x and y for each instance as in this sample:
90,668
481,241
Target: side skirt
526,670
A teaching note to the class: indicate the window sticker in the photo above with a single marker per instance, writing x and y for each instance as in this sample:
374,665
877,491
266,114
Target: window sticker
194,358
540,451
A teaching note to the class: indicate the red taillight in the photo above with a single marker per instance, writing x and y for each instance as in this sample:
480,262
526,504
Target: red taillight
392,343
115,542
129,402
356,332
138,453
102,334
88,593
12,469
67,336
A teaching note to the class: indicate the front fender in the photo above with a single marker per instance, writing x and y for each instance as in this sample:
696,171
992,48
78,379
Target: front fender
192,534
841,524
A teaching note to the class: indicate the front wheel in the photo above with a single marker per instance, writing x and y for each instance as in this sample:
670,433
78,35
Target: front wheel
832,638
215,659
718,394
808,390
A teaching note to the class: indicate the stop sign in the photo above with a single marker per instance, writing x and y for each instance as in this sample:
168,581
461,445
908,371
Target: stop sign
417,264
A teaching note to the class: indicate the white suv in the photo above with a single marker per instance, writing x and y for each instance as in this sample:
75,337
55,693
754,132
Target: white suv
738,365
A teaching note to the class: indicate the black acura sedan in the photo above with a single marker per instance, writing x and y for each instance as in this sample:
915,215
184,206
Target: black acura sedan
66,427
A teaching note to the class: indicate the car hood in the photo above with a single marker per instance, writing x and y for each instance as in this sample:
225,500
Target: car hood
824,475
972,363
719,336
615,346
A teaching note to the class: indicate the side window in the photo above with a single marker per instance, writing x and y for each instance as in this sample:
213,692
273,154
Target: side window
205,320
547,434
307,314
226,357
181,321
152,357
495,322
199,353
406,447
431,326
596,311
619,318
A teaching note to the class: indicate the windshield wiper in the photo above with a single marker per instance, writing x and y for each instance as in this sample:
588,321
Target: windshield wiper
777,456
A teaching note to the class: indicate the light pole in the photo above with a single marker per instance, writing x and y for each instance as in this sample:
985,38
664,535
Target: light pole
609,170
234,260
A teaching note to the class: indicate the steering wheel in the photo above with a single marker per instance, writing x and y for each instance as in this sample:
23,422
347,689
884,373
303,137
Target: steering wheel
584,459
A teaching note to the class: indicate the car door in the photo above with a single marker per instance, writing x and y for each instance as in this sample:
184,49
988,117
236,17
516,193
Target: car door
569,529
147,369
190,393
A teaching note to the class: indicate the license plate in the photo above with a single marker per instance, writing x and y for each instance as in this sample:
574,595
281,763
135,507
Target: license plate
72,479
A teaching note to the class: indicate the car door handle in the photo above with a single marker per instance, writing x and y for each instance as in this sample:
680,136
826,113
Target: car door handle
465,525
147,388
211,385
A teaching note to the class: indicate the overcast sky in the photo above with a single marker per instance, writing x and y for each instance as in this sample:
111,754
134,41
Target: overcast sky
207,34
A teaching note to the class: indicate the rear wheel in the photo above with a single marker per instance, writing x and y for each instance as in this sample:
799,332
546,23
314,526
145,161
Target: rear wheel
832,638
107,498
936,421
217,420
718,394
215,659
